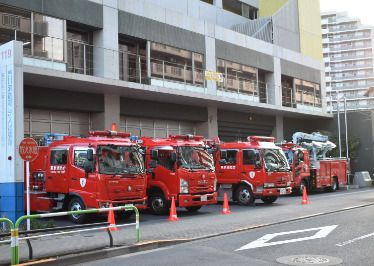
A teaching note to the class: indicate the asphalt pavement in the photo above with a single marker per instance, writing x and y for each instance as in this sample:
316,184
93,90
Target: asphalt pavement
208,222
344,238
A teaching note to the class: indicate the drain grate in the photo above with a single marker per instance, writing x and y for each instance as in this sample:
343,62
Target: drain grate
309,260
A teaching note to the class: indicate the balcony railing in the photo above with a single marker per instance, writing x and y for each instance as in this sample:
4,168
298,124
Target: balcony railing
351,67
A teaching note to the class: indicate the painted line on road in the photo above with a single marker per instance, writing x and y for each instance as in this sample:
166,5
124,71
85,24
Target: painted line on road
322,232
354,240
319,196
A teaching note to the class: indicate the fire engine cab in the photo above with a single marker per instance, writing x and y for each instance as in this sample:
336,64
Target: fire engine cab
253,169
181,167
81,173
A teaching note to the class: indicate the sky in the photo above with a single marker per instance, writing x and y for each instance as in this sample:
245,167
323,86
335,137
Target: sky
362,9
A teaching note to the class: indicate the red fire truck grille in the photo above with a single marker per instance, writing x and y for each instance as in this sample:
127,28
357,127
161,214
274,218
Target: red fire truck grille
199,189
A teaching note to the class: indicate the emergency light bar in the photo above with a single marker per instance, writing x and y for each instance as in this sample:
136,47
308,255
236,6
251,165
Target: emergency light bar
260,139
186,137
288,145
108,133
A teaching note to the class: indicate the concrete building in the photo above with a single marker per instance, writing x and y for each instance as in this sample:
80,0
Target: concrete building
142,64
348,56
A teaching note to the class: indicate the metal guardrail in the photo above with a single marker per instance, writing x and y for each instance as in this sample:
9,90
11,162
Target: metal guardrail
14,227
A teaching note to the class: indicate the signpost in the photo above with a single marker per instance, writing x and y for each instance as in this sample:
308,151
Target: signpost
28,150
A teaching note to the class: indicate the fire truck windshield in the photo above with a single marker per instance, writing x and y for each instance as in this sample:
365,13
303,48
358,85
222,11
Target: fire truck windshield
275,160
114,159
194,158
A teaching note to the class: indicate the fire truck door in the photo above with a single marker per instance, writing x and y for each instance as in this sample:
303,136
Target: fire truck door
57,174
252,169
79,181
228,169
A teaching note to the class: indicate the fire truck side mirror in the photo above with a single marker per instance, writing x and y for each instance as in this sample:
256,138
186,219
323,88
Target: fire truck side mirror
154,154
90,155
173,157
223,155
222,161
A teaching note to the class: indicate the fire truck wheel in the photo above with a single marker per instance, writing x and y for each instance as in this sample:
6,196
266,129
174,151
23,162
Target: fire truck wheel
158,204
76,204
269,200
244,195
193,208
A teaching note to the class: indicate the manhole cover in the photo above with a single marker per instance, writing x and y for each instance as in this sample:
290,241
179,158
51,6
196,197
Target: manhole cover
309,260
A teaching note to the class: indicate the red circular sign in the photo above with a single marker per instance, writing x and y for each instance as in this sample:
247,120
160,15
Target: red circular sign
28,149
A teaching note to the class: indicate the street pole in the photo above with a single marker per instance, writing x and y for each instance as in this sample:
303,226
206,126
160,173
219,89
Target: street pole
340,143
28,193
346,127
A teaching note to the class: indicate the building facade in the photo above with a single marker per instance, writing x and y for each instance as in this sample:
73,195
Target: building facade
348,57
143,65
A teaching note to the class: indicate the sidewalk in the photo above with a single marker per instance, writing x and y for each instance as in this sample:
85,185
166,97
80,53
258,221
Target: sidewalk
205,223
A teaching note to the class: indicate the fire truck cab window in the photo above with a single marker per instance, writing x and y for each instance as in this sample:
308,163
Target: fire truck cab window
80,158
59,157
250,157
164,159
231,157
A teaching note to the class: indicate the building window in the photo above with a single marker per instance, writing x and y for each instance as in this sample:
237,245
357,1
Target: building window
240,8
238,77
208,1
288,95
15,24
132,59
176,64
308,93
79,50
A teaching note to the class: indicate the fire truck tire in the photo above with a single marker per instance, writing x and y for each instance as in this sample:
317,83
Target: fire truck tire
269,200
244,195
193,208
76,204
158,204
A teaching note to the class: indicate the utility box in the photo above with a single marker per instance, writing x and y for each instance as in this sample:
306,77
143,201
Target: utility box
362,179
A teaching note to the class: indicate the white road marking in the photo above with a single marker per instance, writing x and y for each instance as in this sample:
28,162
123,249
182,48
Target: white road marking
263,241
317,196
354,240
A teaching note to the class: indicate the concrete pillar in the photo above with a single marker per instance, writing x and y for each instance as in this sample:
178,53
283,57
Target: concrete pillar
278,130
105,42
148,56
210,62
111,114
209,129
323,92
11,130
274,84
218,3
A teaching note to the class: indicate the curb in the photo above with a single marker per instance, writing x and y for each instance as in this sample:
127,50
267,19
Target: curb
150,245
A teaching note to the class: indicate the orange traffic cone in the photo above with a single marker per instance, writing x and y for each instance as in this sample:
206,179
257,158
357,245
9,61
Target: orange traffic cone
305,197
111,220
173,211
226,208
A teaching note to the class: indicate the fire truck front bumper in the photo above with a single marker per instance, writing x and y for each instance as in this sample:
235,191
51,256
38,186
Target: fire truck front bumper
141,204
276,191
187,200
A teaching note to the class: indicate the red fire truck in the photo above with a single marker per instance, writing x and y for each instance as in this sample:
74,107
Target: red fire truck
253,169
310,167
180,167
82,173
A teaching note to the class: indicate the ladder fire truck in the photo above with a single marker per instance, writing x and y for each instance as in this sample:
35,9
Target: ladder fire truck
310,166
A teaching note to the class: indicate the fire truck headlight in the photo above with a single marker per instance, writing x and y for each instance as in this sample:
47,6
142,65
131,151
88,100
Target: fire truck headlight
215,184
183,186
268,185
289,184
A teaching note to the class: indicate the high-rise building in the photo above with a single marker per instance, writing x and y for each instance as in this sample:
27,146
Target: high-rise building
230,68
348,56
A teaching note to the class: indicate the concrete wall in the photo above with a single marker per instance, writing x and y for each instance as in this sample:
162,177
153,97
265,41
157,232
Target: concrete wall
269,7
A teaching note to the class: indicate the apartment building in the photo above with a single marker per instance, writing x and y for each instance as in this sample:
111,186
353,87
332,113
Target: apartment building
348,57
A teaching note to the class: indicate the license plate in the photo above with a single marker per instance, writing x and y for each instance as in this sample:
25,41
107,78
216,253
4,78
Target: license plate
204,198
283,191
